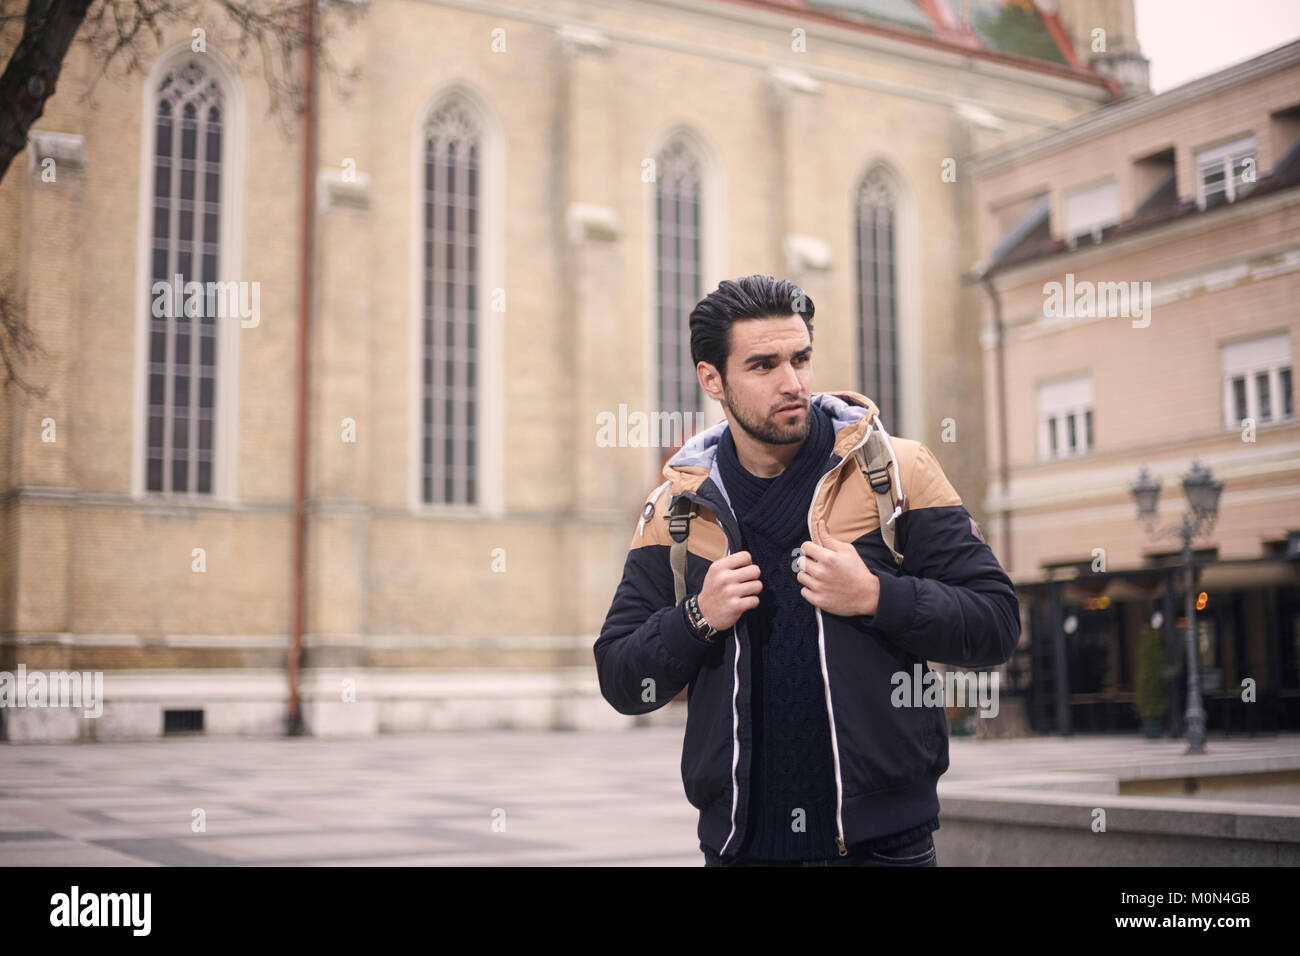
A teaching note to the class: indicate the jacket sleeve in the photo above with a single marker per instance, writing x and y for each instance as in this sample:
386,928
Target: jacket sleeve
646,652
953,603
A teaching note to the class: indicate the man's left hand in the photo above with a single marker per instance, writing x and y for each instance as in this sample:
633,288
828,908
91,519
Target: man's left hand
834,577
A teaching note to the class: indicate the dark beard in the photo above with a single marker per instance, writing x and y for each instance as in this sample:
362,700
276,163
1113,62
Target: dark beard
768,432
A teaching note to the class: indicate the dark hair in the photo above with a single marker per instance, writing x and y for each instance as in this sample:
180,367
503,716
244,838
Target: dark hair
753,297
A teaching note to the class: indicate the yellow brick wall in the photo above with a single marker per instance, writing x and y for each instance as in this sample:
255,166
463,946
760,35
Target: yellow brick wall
102,563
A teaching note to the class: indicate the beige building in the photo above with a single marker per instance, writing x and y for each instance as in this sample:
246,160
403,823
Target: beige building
512,214
1141,273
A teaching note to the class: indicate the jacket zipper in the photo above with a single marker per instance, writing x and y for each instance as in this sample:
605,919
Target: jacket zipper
735,689
821,646
735,739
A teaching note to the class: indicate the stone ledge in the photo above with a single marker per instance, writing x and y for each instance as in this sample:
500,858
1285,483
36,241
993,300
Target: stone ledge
590,221
252,703
1206,819
804,253
334,192
581,39
786,80
66,149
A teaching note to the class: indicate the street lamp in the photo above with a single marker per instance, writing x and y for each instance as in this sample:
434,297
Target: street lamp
1202,493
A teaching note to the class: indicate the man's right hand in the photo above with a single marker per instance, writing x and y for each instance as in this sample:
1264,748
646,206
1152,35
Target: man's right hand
730,589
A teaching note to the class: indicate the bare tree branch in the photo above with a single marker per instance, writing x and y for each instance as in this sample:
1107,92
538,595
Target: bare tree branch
33,70
122,37
16,341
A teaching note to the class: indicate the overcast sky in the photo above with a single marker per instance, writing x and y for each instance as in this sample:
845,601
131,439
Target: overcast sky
1185,39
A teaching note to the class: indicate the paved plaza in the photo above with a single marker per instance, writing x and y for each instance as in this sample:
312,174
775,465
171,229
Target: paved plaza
488,798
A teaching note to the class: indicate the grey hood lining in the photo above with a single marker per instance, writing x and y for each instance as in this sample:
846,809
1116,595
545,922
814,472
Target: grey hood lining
702,450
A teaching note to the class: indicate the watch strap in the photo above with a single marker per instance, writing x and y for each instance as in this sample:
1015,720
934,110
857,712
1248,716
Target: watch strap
703,629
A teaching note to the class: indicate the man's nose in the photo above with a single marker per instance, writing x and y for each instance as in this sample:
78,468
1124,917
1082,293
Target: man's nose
790,384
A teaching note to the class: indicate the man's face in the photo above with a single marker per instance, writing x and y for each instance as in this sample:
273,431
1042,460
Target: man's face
769,368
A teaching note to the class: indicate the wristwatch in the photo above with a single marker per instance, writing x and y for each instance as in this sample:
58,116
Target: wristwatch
702,628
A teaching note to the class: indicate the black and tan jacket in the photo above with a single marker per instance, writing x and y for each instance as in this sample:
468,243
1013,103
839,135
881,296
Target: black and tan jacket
949,602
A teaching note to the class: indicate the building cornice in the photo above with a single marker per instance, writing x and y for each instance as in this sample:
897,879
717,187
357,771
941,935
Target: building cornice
1222,276
1096,479
874,46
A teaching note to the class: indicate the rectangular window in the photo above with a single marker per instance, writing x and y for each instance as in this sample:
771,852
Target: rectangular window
1065,417
1243,174
1265,406
1091,209
1225,173
1214,185
1239,398
1257,380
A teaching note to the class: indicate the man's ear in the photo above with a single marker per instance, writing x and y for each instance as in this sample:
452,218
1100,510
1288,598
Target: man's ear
710,380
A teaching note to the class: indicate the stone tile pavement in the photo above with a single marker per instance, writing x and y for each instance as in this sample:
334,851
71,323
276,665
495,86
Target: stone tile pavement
565,799
427,799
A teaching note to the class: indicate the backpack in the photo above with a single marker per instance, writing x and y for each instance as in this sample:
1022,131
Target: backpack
871,458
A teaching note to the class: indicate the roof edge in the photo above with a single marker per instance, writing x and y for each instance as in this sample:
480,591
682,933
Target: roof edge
938,41
1131,111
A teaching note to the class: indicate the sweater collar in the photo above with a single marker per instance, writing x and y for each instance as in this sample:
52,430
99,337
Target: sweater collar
776,508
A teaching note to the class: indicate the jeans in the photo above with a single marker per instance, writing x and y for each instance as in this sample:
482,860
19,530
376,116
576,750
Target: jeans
920,853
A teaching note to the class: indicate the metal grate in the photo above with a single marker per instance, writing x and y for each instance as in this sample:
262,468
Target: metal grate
182,721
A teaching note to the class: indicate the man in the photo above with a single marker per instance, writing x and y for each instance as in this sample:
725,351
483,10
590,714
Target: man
796,620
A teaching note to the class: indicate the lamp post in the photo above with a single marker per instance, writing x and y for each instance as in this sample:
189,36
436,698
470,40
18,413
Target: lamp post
1202,493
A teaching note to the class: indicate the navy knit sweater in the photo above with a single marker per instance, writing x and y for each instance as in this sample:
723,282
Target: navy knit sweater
792,807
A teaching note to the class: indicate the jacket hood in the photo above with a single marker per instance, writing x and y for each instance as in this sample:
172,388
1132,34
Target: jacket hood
851,415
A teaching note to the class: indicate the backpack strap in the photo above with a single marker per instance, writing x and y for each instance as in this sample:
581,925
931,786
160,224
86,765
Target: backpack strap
679,525
874,458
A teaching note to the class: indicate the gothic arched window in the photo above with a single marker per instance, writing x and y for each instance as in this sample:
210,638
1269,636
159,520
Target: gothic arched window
877,288
188,171
678,271
450,337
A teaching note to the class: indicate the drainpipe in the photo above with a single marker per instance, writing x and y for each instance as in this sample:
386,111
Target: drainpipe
1004,468
307,198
